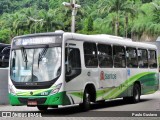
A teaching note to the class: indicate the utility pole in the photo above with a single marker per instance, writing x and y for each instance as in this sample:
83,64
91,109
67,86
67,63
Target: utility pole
74,7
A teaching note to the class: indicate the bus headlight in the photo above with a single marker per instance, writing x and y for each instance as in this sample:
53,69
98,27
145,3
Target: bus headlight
56,89
11,90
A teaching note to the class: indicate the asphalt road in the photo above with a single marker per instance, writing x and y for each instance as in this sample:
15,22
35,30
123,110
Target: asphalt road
149,103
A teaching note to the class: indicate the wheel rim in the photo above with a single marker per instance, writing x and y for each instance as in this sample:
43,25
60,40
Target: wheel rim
87,102
87,99
136,94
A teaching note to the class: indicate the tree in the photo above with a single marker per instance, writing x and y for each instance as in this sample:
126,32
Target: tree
117,6
156,11
146,1
90,24
148,25
5,36
121,17
50,21
28,14
108,23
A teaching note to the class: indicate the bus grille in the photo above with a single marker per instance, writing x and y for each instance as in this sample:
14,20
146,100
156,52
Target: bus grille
39,100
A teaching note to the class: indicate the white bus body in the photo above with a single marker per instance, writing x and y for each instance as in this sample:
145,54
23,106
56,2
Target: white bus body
86,68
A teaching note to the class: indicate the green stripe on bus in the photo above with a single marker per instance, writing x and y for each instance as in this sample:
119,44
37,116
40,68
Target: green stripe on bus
115,92
77,94
57,99
108,93
36,92
128,82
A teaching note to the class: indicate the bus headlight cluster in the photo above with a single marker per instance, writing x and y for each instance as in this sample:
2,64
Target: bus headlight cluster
11,90
56,89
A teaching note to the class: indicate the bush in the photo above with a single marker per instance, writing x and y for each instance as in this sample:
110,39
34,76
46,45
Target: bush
5,36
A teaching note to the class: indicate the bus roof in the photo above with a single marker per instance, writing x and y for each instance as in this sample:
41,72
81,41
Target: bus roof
109,39
100,38
38,34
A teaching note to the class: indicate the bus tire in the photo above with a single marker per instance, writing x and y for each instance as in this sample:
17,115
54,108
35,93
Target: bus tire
42,107
127,99
86,101
136,93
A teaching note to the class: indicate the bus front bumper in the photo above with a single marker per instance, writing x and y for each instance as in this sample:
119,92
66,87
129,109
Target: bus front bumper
57,99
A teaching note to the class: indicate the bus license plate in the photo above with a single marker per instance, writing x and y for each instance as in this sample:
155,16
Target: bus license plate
32,103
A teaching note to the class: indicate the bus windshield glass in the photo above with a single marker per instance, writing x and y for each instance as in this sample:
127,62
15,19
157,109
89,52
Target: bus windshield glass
35,63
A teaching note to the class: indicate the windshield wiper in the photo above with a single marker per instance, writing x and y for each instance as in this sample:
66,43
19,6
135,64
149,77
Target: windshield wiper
42,54
24,56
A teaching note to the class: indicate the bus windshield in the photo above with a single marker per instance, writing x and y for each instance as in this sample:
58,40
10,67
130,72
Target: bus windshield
35,64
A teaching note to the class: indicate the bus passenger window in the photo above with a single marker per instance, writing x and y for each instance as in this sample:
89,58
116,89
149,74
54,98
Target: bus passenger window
90,55
119,57
142,58
152,59
131,55
105,56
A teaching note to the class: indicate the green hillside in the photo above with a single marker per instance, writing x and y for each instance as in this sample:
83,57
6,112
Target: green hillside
137,19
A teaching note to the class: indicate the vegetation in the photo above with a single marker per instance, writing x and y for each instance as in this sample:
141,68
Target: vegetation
127,18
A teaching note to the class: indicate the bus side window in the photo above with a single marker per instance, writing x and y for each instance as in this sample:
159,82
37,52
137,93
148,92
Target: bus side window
74,58
142,58
152,59
73,63
131,55
90,55
119,57
105,56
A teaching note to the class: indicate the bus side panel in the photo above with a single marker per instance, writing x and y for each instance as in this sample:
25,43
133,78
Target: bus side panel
106,84
150,82
113,83
132,77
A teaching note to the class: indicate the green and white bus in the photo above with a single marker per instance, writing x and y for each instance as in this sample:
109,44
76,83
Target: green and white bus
59,68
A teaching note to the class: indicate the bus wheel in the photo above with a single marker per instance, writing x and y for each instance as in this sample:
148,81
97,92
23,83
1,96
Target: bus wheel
86,101
136,93
42,107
